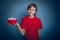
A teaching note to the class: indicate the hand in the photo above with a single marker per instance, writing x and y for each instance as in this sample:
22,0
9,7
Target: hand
10,24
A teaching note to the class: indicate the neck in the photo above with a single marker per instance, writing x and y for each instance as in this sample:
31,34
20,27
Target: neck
31,16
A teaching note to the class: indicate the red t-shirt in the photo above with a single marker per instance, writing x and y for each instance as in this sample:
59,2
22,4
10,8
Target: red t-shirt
31,26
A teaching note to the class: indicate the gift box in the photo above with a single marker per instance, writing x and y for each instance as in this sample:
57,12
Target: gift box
12,21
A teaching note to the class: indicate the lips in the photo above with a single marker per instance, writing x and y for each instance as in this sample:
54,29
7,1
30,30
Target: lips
12,21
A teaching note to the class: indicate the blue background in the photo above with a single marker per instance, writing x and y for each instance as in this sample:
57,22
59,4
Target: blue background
48,12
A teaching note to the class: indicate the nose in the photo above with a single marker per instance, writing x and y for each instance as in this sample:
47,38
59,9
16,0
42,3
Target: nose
30,11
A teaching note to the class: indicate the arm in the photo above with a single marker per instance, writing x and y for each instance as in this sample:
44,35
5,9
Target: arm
20,29
39,33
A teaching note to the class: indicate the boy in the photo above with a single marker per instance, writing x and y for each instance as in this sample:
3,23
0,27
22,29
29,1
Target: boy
30,24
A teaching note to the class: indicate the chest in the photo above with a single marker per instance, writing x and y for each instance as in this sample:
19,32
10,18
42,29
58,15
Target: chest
32,23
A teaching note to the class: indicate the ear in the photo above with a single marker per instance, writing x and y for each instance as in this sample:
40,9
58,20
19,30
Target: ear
34,14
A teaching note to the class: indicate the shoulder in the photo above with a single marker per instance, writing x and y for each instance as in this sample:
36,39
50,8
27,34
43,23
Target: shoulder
38,19
24,18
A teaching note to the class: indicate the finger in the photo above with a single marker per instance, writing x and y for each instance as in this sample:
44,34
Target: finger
9,24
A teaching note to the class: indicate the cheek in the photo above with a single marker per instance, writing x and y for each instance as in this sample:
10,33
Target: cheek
34,12
28,11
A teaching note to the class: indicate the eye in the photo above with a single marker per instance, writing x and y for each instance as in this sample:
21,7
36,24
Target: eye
33,10
29,9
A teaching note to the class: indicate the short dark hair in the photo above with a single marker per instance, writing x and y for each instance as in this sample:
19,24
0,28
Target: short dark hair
32,5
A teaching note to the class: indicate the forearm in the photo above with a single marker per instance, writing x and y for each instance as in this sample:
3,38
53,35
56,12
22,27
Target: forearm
22,31
39,34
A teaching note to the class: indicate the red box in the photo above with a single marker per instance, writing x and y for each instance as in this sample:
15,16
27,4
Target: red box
12,21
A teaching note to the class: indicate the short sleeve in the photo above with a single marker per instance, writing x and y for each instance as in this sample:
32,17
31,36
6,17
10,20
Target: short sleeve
23,24
39,24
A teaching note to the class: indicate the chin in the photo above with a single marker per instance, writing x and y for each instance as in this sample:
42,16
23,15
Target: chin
30,15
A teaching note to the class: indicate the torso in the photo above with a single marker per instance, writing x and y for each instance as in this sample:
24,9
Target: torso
31,30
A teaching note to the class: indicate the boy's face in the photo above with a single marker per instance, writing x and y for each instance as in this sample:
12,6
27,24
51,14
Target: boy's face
31,11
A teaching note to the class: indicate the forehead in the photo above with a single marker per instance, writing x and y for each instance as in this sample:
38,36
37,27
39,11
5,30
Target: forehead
32,7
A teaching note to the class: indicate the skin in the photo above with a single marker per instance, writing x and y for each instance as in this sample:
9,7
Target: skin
31,11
